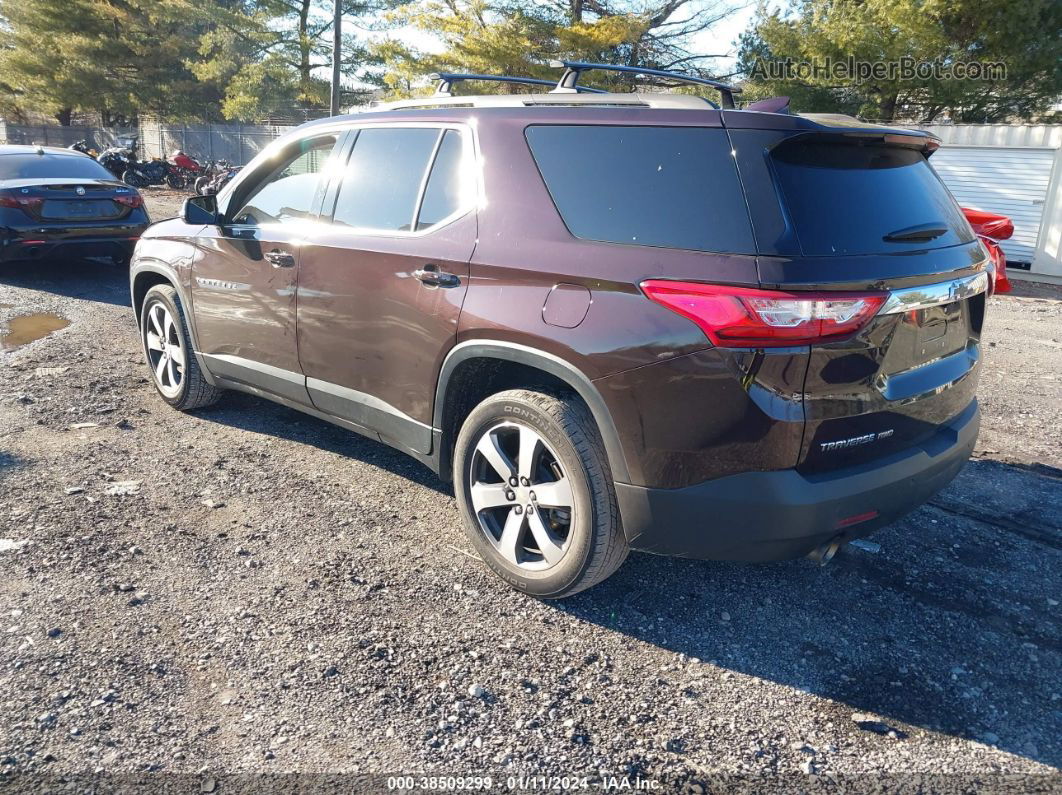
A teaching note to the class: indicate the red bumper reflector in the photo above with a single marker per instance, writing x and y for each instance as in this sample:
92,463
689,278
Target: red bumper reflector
857,519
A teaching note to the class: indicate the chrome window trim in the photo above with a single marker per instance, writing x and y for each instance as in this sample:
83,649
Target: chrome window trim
930,295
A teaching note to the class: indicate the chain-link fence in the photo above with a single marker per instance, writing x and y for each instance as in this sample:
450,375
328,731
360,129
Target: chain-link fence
98,138
235,143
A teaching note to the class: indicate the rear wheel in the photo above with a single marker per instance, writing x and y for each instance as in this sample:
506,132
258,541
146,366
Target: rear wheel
201,185
534,485
168,349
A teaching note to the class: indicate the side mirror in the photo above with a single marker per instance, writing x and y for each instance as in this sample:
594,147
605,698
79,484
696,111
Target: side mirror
200,210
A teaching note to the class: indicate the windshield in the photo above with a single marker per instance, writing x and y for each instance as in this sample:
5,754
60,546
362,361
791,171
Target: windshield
865,198
51,167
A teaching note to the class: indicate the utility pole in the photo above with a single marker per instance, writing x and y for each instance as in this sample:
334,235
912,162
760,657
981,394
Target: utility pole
337,38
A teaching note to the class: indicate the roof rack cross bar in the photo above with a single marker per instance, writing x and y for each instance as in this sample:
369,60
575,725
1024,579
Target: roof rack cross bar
569,81
447,80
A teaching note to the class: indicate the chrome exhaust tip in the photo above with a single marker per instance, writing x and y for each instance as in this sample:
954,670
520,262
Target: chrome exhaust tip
824,553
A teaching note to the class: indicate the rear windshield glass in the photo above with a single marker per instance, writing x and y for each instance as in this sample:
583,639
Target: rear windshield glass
865,199
675,187
51,166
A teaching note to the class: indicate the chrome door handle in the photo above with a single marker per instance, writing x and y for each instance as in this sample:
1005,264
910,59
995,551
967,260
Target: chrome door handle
280,259
430,274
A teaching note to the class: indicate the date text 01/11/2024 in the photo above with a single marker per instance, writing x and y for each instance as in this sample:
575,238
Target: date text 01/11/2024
520,783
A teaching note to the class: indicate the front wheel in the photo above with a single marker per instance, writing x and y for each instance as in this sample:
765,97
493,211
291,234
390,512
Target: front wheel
168,349
534,486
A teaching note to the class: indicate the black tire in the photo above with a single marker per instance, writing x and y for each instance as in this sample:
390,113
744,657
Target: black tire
594,542
201,185
133,179
194,391
175,181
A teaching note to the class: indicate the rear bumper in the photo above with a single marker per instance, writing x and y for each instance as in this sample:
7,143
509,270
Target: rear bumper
43,247
759,516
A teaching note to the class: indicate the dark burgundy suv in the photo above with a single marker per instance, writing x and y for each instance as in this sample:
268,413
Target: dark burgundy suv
614,320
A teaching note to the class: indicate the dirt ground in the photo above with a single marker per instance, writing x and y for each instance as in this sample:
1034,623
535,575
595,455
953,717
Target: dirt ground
248,590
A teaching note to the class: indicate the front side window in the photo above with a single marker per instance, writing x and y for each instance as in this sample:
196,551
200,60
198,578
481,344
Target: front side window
672,187
287,193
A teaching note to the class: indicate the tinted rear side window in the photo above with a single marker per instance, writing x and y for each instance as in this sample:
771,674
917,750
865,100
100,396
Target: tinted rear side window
383,177
846,199
675,187
447,189
51,167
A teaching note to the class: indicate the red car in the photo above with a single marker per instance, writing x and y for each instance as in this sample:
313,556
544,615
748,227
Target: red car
990,228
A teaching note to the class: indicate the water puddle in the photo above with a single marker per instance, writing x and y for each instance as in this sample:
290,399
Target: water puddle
28,328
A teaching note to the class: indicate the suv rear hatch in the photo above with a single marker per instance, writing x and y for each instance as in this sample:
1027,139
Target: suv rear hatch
849,207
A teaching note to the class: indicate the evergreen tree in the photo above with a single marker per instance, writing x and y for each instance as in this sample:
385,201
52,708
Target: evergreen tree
519,37
119,57
1023,35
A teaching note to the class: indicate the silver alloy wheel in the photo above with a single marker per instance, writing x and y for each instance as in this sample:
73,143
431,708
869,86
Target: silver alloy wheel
165,349
522,498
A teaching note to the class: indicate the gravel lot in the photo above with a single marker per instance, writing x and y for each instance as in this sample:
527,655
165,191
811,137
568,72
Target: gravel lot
250,590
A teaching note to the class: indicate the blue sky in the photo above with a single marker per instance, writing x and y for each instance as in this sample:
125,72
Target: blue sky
722,38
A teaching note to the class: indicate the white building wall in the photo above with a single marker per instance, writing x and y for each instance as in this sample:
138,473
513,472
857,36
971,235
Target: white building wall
1047,257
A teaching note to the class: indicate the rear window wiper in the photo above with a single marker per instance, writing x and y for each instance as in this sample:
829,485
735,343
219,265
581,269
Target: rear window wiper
915,234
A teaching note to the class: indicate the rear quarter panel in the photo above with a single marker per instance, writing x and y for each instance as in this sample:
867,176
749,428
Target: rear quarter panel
674,399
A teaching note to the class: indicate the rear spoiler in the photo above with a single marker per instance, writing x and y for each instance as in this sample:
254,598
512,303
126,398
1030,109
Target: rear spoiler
849,126
832,125
770,105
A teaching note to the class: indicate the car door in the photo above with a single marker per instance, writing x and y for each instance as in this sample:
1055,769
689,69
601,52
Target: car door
245,277
380,288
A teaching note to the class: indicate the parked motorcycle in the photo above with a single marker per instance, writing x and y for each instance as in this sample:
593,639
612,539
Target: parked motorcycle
141,173
218,175
118,158
121,160
83,147
184,170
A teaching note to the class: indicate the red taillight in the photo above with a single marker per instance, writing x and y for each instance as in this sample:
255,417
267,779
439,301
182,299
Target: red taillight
19,202
744,317
133,200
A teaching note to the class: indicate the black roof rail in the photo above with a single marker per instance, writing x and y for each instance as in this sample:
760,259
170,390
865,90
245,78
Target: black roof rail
447,80
569,81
